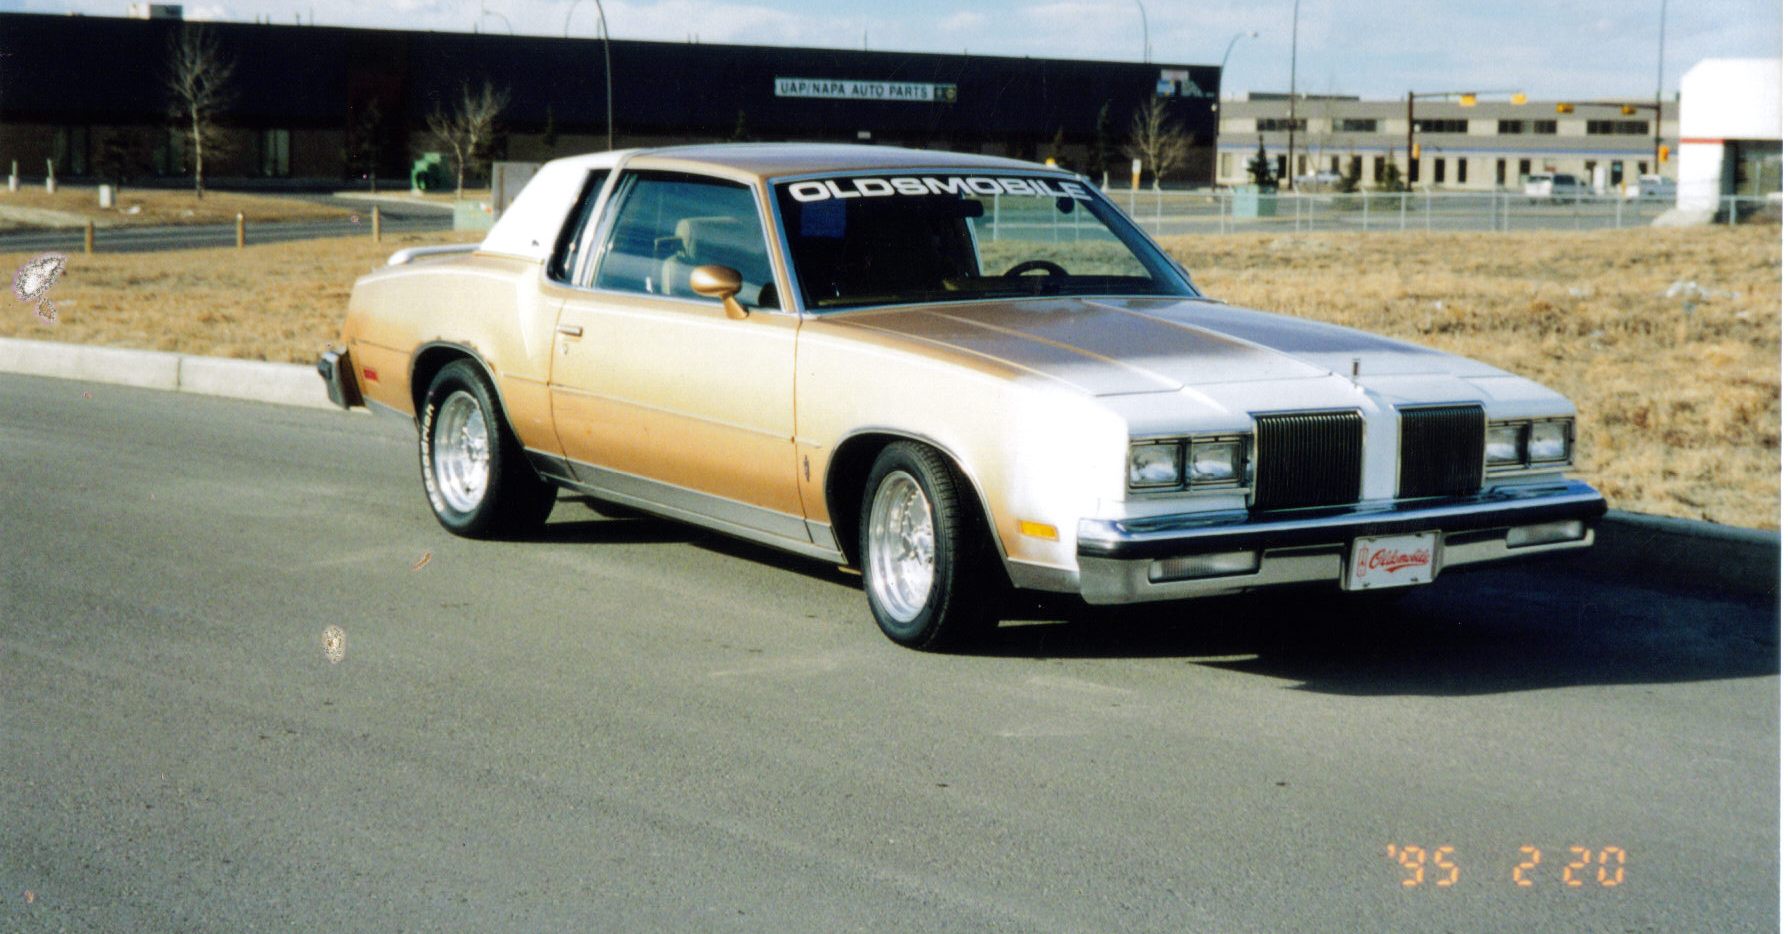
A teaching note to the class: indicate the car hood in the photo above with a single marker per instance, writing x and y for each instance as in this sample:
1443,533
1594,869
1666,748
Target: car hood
1116,346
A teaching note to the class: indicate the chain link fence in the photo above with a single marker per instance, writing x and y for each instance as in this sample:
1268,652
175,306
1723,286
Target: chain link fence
1168,212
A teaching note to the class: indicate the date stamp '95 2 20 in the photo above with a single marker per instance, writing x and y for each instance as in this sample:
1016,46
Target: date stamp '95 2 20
34,280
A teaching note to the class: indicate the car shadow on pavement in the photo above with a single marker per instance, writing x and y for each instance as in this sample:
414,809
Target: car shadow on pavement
1481,632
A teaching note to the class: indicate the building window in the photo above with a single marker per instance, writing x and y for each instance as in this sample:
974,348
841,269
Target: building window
1415,171
1619,127
1355,166
1303,165
1524,168
1358,125
276,153
1617,172
1335,164
1279,162
1278,124
1378,168
1644,167
1440,126
1461,171
1546,127
1226,165
70,149
1511,127
1440,171
1502,172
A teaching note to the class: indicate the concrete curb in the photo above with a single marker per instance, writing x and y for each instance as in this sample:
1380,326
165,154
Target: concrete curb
1630,546
259,381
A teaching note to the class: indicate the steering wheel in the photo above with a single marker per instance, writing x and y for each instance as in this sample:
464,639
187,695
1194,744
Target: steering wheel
1030,265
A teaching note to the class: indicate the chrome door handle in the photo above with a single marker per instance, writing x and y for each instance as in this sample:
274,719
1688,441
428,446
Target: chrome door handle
571,330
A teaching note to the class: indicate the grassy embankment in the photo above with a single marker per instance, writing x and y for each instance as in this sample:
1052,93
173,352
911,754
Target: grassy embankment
31,206
1680,395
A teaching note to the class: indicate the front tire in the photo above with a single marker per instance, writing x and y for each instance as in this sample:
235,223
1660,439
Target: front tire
478,481
929,568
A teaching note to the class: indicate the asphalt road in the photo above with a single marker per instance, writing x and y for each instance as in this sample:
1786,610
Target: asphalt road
626,725
394,218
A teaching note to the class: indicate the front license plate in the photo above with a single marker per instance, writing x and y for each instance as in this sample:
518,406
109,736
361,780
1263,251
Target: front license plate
1391,561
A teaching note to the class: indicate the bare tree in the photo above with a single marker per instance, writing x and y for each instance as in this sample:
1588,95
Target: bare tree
1162,144
468,131
198,81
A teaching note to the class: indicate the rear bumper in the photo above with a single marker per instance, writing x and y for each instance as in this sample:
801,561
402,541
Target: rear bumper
338,378
1120,558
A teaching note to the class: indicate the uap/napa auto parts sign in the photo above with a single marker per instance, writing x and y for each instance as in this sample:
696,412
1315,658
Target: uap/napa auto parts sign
847,90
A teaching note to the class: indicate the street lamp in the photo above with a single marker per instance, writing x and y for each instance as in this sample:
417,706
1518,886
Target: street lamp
1291,123
1657,132
1145,31
608,73
1217,105
484,11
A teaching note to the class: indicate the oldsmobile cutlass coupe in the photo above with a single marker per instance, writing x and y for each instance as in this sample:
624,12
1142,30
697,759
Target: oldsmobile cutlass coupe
958,374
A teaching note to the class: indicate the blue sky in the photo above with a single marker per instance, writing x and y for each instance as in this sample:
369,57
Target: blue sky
1378,49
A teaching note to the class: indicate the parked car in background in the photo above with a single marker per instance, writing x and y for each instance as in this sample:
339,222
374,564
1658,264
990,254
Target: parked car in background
1652,188
1553,186
955,374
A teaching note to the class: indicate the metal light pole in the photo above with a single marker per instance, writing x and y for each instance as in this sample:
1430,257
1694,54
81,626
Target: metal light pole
608,73
1657,132
1217,107
1145,31
1291,124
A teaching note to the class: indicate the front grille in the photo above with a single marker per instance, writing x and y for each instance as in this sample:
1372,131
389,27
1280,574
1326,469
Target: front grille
1443,451
1307,459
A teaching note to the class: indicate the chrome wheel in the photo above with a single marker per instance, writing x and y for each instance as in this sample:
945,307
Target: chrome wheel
461,452
902,560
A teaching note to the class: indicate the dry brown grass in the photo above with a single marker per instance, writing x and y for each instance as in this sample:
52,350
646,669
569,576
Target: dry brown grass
1680,412
1680,404
277,301
157,207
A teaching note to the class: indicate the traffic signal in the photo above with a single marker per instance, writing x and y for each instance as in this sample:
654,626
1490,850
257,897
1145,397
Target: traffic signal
1415,151
1663,153
1626,110
1518,98
1468,100
1564,108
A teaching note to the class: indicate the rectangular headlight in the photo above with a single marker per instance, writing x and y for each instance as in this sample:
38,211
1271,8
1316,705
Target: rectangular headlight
1215,462
1549,442
1155,465
1503,446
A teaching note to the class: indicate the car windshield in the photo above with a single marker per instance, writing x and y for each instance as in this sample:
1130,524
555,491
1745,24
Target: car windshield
860,240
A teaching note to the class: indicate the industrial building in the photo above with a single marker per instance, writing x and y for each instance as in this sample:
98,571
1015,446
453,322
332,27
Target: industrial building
1487,146
1732,134
319,104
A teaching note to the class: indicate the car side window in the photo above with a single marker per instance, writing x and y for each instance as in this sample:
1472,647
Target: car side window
667,224
571,247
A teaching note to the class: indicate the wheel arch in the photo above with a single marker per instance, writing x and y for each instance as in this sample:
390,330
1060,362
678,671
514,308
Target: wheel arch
431,358
847,474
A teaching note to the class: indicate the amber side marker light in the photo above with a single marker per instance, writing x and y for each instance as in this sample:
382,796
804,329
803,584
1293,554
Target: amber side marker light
1041,530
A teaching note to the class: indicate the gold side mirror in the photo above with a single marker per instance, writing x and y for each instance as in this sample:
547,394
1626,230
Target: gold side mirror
720,282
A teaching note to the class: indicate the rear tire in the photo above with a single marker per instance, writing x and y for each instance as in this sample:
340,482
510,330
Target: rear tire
929,567
477,478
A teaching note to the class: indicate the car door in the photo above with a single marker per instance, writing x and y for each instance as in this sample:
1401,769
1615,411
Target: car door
658,396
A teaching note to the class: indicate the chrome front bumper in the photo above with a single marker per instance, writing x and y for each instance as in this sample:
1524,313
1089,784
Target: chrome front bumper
338,378
1117,556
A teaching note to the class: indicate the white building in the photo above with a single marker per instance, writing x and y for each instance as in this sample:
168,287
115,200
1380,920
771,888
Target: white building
1731,133
1483,147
